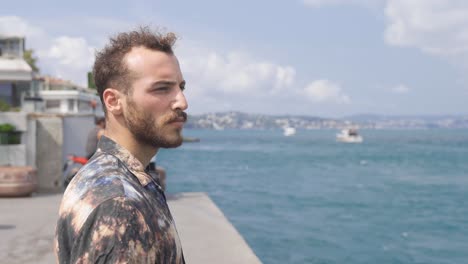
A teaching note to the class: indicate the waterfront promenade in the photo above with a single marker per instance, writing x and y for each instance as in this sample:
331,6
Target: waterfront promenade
27,227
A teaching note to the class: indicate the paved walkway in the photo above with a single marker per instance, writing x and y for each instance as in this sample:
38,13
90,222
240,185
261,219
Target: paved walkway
27,227
206,235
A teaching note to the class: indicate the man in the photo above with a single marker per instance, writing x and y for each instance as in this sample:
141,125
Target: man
113,211
94,135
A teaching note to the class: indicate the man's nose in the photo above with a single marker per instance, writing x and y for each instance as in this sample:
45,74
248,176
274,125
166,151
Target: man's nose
180,101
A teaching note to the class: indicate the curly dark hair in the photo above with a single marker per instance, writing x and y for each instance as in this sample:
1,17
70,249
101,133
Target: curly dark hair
110,69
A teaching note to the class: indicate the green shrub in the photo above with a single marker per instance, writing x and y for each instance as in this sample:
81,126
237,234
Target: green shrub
8,135
7,128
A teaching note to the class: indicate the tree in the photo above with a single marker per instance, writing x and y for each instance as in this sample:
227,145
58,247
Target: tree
29,57
91,83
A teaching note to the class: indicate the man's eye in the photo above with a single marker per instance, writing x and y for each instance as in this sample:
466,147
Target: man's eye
162,89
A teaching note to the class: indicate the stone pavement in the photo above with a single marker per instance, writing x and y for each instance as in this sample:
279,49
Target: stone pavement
27,227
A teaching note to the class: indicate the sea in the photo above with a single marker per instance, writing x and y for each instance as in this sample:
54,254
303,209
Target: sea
401,196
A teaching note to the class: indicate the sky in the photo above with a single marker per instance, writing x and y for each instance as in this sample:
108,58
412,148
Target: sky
329,58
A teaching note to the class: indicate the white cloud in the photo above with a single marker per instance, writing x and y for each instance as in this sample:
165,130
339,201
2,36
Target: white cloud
36,37
400,89
234,73
62,56
216,80
437,27
222,80
16,26
434,26
68,58
326,91
81,55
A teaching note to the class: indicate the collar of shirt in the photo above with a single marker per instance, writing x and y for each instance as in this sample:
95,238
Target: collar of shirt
107,145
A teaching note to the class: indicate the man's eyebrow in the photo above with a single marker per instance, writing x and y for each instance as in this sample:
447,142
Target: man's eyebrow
164,82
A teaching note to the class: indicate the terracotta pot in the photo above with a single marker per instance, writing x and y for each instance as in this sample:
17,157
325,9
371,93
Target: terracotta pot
17,181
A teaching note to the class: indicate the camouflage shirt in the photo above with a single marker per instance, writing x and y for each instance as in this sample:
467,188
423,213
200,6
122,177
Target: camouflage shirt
115,212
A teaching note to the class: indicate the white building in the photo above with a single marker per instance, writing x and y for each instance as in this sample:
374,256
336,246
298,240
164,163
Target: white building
65,97
20,87
15,73
71,102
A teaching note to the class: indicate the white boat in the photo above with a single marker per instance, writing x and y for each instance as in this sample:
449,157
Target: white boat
289,131
350,135
217,127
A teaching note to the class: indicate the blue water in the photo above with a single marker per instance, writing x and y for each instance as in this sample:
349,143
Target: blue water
399,197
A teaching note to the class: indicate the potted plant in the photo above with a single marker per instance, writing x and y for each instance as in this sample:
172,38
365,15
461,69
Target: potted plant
9,135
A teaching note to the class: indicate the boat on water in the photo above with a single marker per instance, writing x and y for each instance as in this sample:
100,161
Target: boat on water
217,127
350,135
289,131
190,139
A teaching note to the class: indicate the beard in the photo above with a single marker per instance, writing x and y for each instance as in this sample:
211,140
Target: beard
146,130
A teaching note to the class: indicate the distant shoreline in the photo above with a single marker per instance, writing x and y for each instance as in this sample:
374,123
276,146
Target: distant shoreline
239,120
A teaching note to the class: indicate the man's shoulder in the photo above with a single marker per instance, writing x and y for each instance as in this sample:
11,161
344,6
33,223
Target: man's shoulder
104,176
103,164
100,180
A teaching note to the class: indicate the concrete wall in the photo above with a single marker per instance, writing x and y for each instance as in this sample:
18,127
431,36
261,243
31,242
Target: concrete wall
49,140
30,140
45,143
58,136
13,155
75,133
18,119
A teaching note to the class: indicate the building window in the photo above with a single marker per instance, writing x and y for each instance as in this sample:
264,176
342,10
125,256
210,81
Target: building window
83,106
10,48
53,104
71,105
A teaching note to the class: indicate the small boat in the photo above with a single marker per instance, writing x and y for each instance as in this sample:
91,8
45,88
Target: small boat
349,135
289,131
217,127
190,139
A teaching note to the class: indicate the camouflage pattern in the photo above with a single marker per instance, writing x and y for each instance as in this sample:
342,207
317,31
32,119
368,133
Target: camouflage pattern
113,211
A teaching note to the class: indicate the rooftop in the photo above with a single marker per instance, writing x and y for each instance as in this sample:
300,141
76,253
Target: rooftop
3,36
14,64
14,69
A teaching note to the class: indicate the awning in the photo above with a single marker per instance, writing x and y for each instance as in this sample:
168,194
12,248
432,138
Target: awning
15,70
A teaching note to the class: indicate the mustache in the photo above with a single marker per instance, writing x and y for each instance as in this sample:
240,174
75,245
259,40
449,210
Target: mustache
178,116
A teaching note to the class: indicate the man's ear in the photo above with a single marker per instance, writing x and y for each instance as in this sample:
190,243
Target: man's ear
113,99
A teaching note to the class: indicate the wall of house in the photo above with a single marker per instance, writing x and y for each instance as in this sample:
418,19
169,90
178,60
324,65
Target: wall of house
75,133
45,143
13,155
57,137
12,92
49,141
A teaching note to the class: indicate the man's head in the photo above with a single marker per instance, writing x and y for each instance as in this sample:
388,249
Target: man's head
141,86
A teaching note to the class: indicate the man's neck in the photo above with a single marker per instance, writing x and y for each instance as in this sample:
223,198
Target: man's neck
124,138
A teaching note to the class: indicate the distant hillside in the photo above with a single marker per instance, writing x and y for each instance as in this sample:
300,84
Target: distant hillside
410,121
427,118
239,120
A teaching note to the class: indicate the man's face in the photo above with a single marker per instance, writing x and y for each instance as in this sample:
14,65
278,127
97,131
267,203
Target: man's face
154,107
